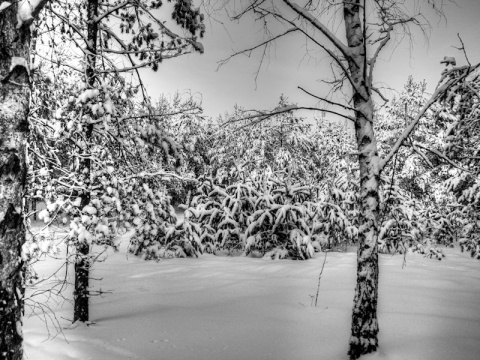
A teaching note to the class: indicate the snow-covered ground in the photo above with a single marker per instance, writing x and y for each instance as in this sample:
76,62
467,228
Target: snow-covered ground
244,308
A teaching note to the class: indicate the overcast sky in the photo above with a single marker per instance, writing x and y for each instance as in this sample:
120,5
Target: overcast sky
287,66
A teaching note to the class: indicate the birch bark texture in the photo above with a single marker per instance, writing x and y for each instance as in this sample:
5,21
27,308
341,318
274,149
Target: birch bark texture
16,18
368,28
364,332
14,101
14,107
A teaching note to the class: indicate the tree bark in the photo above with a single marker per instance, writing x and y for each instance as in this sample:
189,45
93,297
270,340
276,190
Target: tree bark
364,333
81,310
14,108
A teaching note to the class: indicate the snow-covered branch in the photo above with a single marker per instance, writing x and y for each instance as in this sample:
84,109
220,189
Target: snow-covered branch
440,155
161,173
260,116
439,92
28,10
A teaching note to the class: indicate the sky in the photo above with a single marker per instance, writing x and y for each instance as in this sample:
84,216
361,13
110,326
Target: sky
287,67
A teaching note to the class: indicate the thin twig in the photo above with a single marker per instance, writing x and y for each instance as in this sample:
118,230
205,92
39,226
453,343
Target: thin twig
319,277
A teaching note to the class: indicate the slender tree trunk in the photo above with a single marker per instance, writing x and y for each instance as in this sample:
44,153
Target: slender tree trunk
82,277
364,316
82,264
364,338
14,107
34,208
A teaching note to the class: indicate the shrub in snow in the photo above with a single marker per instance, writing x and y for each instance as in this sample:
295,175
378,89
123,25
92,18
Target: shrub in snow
261,214
337,212
148,213
465,210
472,245
217,214
282,223
407,225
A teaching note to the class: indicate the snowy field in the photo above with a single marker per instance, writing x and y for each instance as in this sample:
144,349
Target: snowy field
244,308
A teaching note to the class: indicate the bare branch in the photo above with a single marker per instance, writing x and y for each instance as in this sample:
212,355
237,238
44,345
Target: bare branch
70,24
249,50
323,29
56,62
374,58
326,100
99,18
330,52
379,93
464,50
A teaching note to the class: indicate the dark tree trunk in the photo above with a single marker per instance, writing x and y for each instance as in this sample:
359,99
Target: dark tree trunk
82,282
14,107
82,264
34,208
364,336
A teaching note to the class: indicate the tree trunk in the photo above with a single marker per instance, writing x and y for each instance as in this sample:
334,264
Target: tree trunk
82,277
82,264
364,316
34,209
14,107
364,338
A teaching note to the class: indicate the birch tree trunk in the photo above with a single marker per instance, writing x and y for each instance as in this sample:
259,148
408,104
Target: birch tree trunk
14,108
364,338
353,68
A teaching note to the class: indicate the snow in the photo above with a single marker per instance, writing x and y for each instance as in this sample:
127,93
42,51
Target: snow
24,12
215,307
5,5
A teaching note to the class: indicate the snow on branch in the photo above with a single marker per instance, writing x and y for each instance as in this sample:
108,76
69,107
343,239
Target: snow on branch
163,174
258,116
4,5
442,156
28,10
18,66
439,92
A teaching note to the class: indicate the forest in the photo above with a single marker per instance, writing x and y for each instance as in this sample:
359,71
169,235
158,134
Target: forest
133,225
